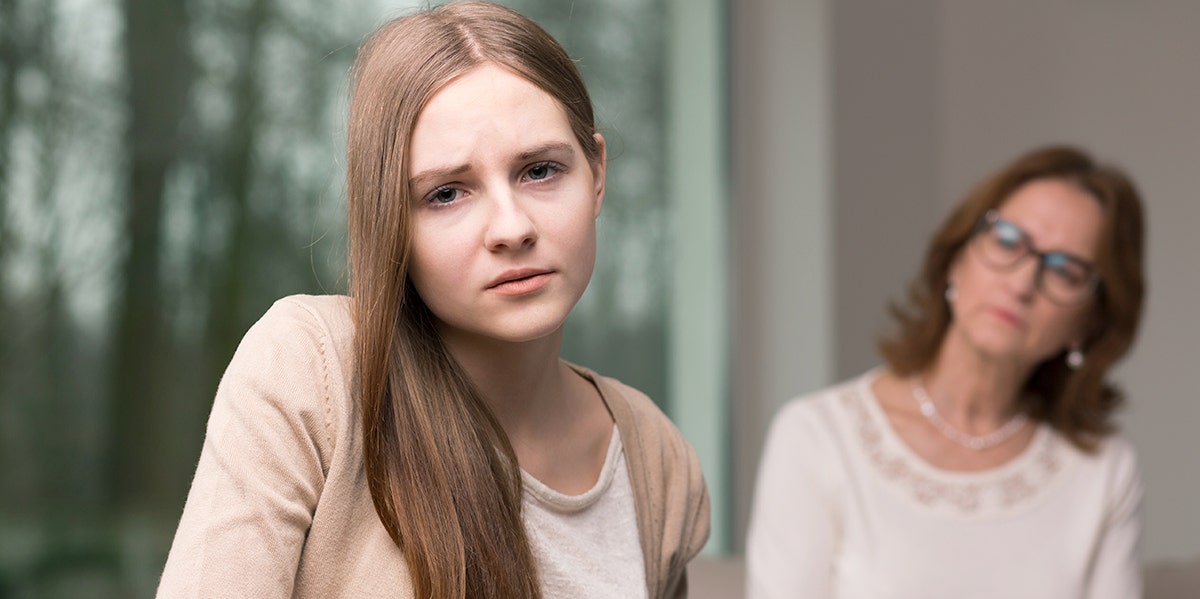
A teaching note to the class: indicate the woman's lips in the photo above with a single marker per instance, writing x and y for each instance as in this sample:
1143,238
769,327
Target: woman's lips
520,282
1009,317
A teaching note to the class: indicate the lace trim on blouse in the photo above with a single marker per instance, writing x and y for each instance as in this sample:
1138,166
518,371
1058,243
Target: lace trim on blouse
1010,487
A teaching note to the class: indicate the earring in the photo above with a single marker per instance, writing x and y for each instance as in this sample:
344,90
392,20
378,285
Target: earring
951,293
1074,358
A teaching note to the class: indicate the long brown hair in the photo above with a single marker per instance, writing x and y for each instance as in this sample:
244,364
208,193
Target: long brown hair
1077,402
441,471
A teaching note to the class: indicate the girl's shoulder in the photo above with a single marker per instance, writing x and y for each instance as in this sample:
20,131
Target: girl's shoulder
316,329
667,480
315,316
297,359
638,418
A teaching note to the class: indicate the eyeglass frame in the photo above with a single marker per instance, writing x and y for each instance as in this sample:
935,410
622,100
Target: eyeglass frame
992,218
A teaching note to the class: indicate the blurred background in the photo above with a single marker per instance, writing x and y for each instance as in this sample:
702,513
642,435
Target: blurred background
169,168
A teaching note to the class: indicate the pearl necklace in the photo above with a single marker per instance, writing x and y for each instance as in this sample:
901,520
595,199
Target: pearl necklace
948,431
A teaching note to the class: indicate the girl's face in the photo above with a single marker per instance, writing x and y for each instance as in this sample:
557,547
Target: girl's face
1005,311
504,233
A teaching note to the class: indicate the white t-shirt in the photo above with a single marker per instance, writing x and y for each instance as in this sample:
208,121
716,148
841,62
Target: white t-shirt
586,546
844,508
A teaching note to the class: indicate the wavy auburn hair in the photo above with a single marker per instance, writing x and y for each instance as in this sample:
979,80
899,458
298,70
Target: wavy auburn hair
441,471
1079,403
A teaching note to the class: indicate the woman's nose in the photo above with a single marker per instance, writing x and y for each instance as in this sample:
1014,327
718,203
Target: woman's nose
509,225
1024,276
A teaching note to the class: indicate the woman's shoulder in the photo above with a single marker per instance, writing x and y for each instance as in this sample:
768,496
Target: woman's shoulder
654,447
295,358
634,412
638,402
1112,457
1117,449
299,327
1115,458
315,315
819,410
667,479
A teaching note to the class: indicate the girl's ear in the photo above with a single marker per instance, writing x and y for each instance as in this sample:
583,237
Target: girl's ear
598,172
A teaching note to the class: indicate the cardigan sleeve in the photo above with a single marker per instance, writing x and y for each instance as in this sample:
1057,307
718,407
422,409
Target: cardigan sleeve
793,525
1116,571
262,467
696,521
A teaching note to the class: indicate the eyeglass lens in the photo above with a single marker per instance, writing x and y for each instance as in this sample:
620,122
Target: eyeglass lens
1061,276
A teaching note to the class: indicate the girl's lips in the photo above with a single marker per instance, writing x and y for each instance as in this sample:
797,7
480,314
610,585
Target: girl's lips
520,282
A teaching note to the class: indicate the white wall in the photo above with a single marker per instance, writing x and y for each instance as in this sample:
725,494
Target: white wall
928,96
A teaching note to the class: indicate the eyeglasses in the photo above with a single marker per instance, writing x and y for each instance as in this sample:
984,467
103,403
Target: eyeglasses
1063,278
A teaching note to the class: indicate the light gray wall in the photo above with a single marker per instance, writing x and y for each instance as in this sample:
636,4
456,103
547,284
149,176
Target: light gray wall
925,97
885,163
780,170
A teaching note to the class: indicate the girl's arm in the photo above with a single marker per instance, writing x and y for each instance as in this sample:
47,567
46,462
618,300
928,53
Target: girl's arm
262,467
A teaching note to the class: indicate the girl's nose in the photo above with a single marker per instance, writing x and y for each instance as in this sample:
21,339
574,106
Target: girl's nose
509,226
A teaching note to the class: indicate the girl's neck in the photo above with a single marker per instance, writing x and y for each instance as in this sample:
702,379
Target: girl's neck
555,419
518,381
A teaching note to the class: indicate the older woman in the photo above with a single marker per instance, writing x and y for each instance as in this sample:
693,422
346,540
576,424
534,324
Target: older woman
981,461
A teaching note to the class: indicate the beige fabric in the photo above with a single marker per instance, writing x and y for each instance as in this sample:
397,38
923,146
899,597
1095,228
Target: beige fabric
668,487
279,506
567,532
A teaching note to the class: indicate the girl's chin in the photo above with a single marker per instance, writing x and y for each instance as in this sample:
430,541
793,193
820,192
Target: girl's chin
516,333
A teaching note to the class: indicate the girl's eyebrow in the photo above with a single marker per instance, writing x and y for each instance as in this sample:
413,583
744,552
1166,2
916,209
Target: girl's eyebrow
544,149
419,180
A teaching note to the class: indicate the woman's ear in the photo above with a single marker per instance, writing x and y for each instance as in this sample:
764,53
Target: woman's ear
599,168
953,269
1091,326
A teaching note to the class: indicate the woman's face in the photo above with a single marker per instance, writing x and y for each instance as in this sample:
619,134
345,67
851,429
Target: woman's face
504,234
1003,313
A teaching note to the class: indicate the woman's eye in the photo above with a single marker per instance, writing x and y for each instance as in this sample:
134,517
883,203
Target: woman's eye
442,195
1067,277
540,171
1066,271
1007,238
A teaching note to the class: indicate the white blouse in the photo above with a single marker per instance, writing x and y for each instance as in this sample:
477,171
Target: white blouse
844,508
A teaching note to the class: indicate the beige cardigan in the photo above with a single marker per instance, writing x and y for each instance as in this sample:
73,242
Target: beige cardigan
280,506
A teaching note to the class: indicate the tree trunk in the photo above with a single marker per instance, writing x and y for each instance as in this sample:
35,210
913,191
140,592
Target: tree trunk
236,166
159,71
10,61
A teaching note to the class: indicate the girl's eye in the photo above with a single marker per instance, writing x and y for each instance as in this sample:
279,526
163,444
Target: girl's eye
442,195
541,171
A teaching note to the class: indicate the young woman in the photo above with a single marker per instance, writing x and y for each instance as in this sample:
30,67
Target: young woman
981,461
422,438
